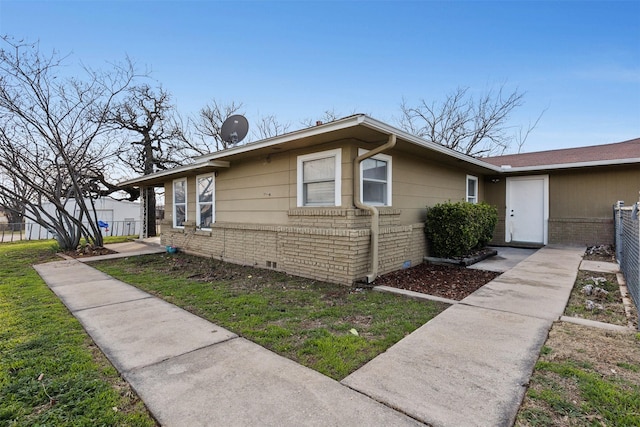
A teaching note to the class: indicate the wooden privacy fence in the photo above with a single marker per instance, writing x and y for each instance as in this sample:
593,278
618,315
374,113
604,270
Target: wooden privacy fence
627,235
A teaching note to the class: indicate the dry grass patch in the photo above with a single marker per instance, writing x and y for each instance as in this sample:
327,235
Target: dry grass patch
587,376
584,377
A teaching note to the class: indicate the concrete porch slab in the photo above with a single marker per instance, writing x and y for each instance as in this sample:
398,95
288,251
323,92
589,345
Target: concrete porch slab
506,259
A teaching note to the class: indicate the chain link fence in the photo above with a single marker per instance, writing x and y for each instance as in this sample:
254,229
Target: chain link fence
627,235
16,232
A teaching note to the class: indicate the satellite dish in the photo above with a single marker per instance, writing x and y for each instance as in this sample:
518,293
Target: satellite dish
234,129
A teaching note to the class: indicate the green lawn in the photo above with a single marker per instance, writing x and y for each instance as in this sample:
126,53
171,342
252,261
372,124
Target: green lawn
331,328
51,373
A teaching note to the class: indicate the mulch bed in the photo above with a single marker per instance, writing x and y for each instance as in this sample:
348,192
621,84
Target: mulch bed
88,251
455,282
444,281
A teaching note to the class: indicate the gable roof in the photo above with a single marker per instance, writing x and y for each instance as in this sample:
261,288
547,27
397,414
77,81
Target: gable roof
596,155
360,127
357,126
371,131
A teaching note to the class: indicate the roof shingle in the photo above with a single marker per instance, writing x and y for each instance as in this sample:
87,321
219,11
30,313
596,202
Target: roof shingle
617,151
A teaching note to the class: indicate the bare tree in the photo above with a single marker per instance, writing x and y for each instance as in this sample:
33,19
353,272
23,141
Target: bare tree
326,117
522,133
49,129
151,139
13,206
268,127
477,127
206,136
207,126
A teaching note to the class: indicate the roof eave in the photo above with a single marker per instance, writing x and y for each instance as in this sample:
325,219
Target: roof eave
210,161
383,127
507,169
180,170
292,136
355,120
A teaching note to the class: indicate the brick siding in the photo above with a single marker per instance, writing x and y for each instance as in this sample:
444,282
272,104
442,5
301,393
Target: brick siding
569,231
581,231
325,244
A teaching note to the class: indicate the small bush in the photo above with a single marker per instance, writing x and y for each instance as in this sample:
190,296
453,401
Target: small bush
456,229
487,218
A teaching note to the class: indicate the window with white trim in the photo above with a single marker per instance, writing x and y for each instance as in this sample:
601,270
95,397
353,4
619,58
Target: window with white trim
320,178
205,203
179,202
375,180
472,189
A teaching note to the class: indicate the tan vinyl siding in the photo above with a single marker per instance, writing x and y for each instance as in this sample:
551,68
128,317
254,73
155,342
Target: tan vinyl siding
495,189
591,193
420,182
262,190
581,203
255,190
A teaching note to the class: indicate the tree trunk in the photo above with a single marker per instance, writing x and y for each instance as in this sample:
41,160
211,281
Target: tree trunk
14,219
150,203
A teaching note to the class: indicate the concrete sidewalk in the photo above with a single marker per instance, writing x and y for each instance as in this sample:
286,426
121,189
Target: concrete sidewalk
190,372
468,366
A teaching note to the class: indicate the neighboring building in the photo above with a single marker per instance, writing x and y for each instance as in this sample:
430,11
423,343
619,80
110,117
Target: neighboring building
563,196
122,217
293,202
3,217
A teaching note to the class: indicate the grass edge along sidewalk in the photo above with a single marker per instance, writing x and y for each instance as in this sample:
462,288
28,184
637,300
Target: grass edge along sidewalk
51,373
333,329
585,375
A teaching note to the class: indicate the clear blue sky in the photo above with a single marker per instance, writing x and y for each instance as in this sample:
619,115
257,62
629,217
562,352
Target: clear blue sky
578,59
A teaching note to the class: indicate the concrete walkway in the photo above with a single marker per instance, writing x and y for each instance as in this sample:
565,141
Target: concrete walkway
468,366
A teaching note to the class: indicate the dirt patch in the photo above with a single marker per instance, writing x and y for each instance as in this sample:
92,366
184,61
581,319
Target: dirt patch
446,281
596,296
610,354
606,253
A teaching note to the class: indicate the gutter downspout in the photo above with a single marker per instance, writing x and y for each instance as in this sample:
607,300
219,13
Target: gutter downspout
375,215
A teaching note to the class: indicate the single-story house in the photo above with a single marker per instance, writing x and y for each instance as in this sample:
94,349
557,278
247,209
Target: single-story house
346,201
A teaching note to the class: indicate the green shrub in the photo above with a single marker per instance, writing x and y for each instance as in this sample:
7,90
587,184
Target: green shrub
487,218
456,229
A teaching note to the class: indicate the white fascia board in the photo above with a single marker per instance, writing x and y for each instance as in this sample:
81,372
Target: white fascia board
292,136
359,119
178,170
383,127
510,169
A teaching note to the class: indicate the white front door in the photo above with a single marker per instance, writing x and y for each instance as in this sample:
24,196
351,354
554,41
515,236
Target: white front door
527,209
